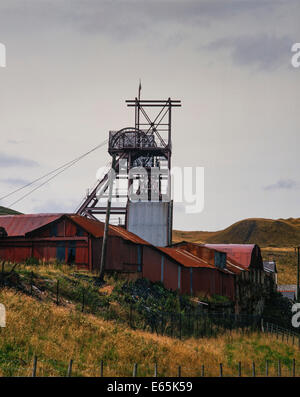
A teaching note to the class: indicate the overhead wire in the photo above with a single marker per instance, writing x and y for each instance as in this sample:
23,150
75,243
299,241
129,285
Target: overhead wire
60,170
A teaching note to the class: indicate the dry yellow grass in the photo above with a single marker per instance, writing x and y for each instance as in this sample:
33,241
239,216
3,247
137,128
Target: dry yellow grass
56,334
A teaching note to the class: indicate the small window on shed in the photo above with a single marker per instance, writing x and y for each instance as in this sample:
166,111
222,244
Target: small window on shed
79,231
220,259
53,230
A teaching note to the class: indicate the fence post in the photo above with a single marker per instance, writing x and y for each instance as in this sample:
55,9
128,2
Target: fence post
31,282
240,369
134,370
253,368
262,325
70,368
34,366
294,367
101,368
202,371
180,326
57,292
82,307
267,368
155,370
130,316
221,369
279,368
179,371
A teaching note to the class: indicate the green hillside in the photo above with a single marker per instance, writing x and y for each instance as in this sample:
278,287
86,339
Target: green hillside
36,325
7,211
264,232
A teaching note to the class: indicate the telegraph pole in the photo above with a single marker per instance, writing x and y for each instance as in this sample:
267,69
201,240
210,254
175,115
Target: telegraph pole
105,235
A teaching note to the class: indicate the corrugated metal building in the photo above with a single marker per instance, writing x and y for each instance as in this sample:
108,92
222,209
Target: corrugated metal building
75,239
68,238
190,274
211,269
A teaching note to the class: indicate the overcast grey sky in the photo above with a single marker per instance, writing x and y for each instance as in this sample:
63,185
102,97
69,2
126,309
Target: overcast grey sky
72,64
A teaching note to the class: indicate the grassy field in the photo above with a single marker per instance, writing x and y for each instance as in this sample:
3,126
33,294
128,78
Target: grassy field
286,262
56,334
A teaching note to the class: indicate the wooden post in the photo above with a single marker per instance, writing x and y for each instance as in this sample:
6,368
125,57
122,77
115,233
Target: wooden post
294,367
34,366
82,307
279,368
179,371
101,368
253,368
180,326
57,292
105,235
221,369
134,370
240,369
202,371
155,370
130,316
267,368
70,368
31,282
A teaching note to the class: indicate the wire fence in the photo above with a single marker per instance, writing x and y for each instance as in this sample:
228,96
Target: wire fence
267,368
182,324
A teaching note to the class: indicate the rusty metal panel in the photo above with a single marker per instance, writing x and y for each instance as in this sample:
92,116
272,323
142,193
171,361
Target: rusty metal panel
151,264
185,258
171,274
246,255
149,221
19,225
186,280
96,228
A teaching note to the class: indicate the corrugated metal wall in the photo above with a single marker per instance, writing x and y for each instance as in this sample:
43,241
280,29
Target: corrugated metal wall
150,221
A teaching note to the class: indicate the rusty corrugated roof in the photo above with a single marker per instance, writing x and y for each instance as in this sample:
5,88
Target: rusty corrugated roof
19,225
240,253
231,264
187,259
96,228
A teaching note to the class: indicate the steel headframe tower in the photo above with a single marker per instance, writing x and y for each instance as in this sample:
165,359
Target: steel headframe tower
143,159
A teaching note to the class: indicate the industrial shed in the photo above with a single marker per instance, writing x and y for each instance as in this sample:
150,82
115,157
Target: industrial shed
253,284
181,270
235,272
68,238
78,240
